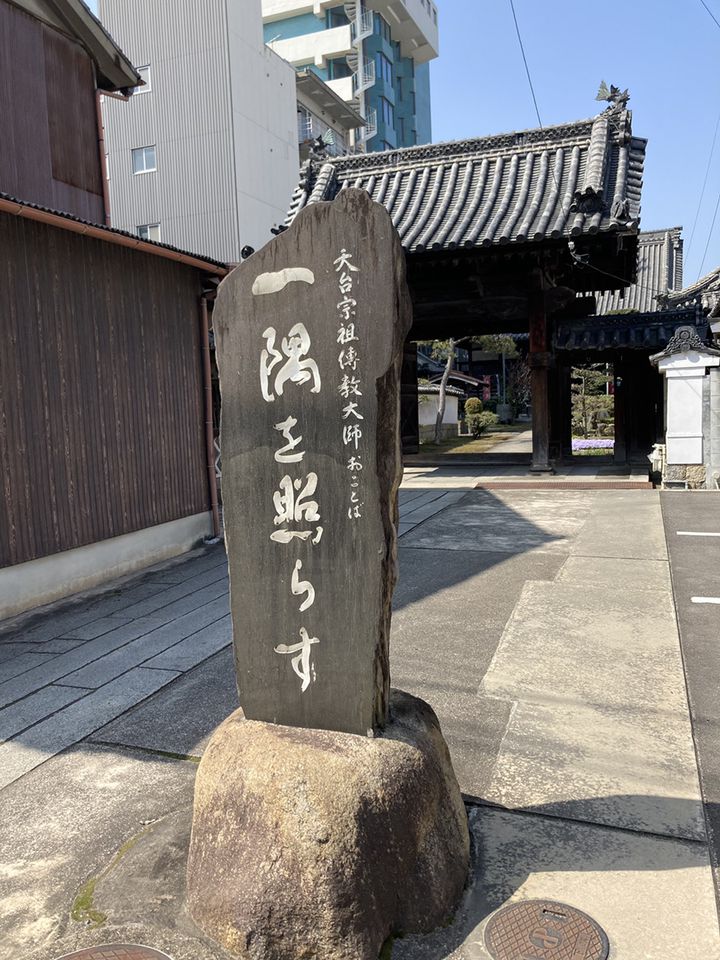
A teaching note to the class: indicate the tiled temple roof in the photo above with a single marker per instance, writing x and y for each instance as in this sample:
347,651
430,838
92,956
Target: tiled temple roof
659,270
635,331
434,388
704,293
557,182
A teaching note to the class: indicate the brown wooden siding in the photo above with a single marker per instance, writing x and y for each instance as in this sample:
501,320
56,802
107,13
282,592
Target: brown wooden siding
101,415
71,106
48,127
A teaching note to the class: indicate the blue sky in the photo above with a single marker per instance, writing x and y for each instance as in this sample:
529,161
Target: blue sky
665,51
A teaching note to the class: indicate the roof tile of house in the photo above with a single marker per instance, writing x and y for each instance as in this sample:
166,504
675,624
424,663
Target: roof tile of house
659,270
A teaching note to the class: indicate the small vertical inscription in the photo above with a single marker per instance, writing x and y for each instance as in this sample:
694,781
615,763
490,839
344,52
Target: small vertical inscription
350,363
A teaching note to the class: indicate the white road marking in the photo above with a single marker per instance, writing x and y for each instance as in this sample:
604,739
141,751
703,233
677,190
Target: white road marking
705,599
696,533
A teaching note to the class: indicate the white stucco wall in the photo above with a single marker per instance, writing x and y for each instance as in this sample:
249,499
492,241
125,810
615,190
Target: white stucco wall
686,374
427,409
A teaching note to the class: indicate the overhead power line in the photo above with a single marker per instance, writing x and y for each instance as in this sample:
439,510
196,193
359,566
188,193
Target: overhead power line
717,22
577,259
527,69
614,276
702,192
710,233
534,98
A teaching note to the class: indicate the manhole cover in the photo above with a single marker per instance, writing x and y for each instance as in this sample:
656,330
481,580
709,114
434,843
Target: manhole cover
544,930
116,951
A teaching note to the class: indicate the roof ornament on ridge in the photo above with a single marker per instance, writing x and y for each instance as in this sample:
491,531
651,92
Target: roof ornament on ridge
616,97
684,340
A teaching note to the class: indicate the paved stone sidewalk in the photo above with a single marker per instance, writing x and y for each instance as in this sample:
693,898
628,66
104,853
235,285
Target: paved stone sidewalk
519,443
538,623
69,672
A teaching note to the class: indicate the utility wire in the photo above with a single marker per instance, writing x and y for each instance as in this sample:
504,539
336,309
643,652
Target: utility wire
527,69
702,192
614,276
712,225
717,22
710,233
577,259
534,98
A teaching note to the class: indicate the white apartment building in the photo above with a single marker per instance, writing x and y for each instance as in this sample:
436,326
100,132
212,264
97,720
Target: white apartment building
205,155
373,53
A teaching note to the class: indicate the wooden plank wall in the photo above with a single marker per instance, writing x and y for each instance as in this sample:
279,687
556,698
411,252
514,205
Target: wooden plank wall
101,414
48,125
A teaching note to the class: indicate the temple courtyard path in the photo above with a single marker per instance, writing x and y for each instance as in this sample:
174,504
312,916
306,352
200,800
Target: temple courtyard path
539,623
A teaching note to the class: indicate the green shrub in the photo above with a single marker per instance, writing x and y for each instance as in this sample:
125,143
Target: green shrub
490,405
478,423
473,405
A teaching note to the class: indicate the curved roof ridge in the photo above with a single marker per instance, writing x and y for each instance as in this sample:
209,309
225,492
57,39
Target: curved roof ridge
503,190
701,284
645,236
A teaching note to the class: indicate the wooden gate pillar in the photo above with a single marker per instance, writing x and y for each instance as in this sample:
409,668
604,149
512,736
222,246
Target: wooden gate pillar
620,393
409,428
560,409
539,374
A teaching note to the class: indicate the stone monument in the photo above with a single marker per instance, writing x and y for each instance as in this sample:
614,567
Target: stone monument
327,814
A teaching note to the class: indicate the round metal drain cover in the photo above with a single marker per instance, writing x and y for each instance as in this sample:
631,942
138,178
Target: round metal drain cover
544,930
116,951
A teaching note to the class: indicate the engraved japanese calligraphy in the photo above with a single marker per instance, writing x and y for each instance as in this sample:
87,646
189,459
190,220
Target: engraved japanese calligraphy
309,335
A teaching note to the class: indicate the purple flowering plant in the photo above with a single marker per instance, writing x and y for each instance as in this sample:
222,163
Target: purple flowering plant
593,443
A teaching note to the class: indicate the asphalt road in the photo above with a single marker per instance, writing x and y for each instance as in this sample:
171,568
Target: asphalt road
692,528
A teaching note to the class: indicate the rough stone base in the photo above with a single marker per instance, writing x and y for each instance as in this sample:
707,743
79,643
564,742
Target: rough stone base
314,844
692,475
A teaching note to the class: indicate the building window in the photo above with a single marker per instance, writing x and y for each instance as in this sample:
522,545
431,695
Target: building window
305,124
338,68
143,159
387,112
384,145
385,71
336,17
382,27
145,77
148,231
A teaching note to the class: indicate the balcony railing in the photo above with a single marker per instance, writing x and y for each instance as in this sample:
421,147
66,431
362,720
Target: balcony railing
364,77
311,128
362,27
370,128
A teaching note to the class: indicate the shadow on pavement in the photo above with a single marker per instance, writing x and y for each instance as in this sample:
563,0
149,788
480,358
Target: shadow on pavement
515,845
456,546
476,533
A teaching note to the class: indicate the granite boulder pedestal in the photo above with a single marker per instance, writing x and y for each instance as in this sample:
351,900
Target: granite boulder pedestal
316,844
